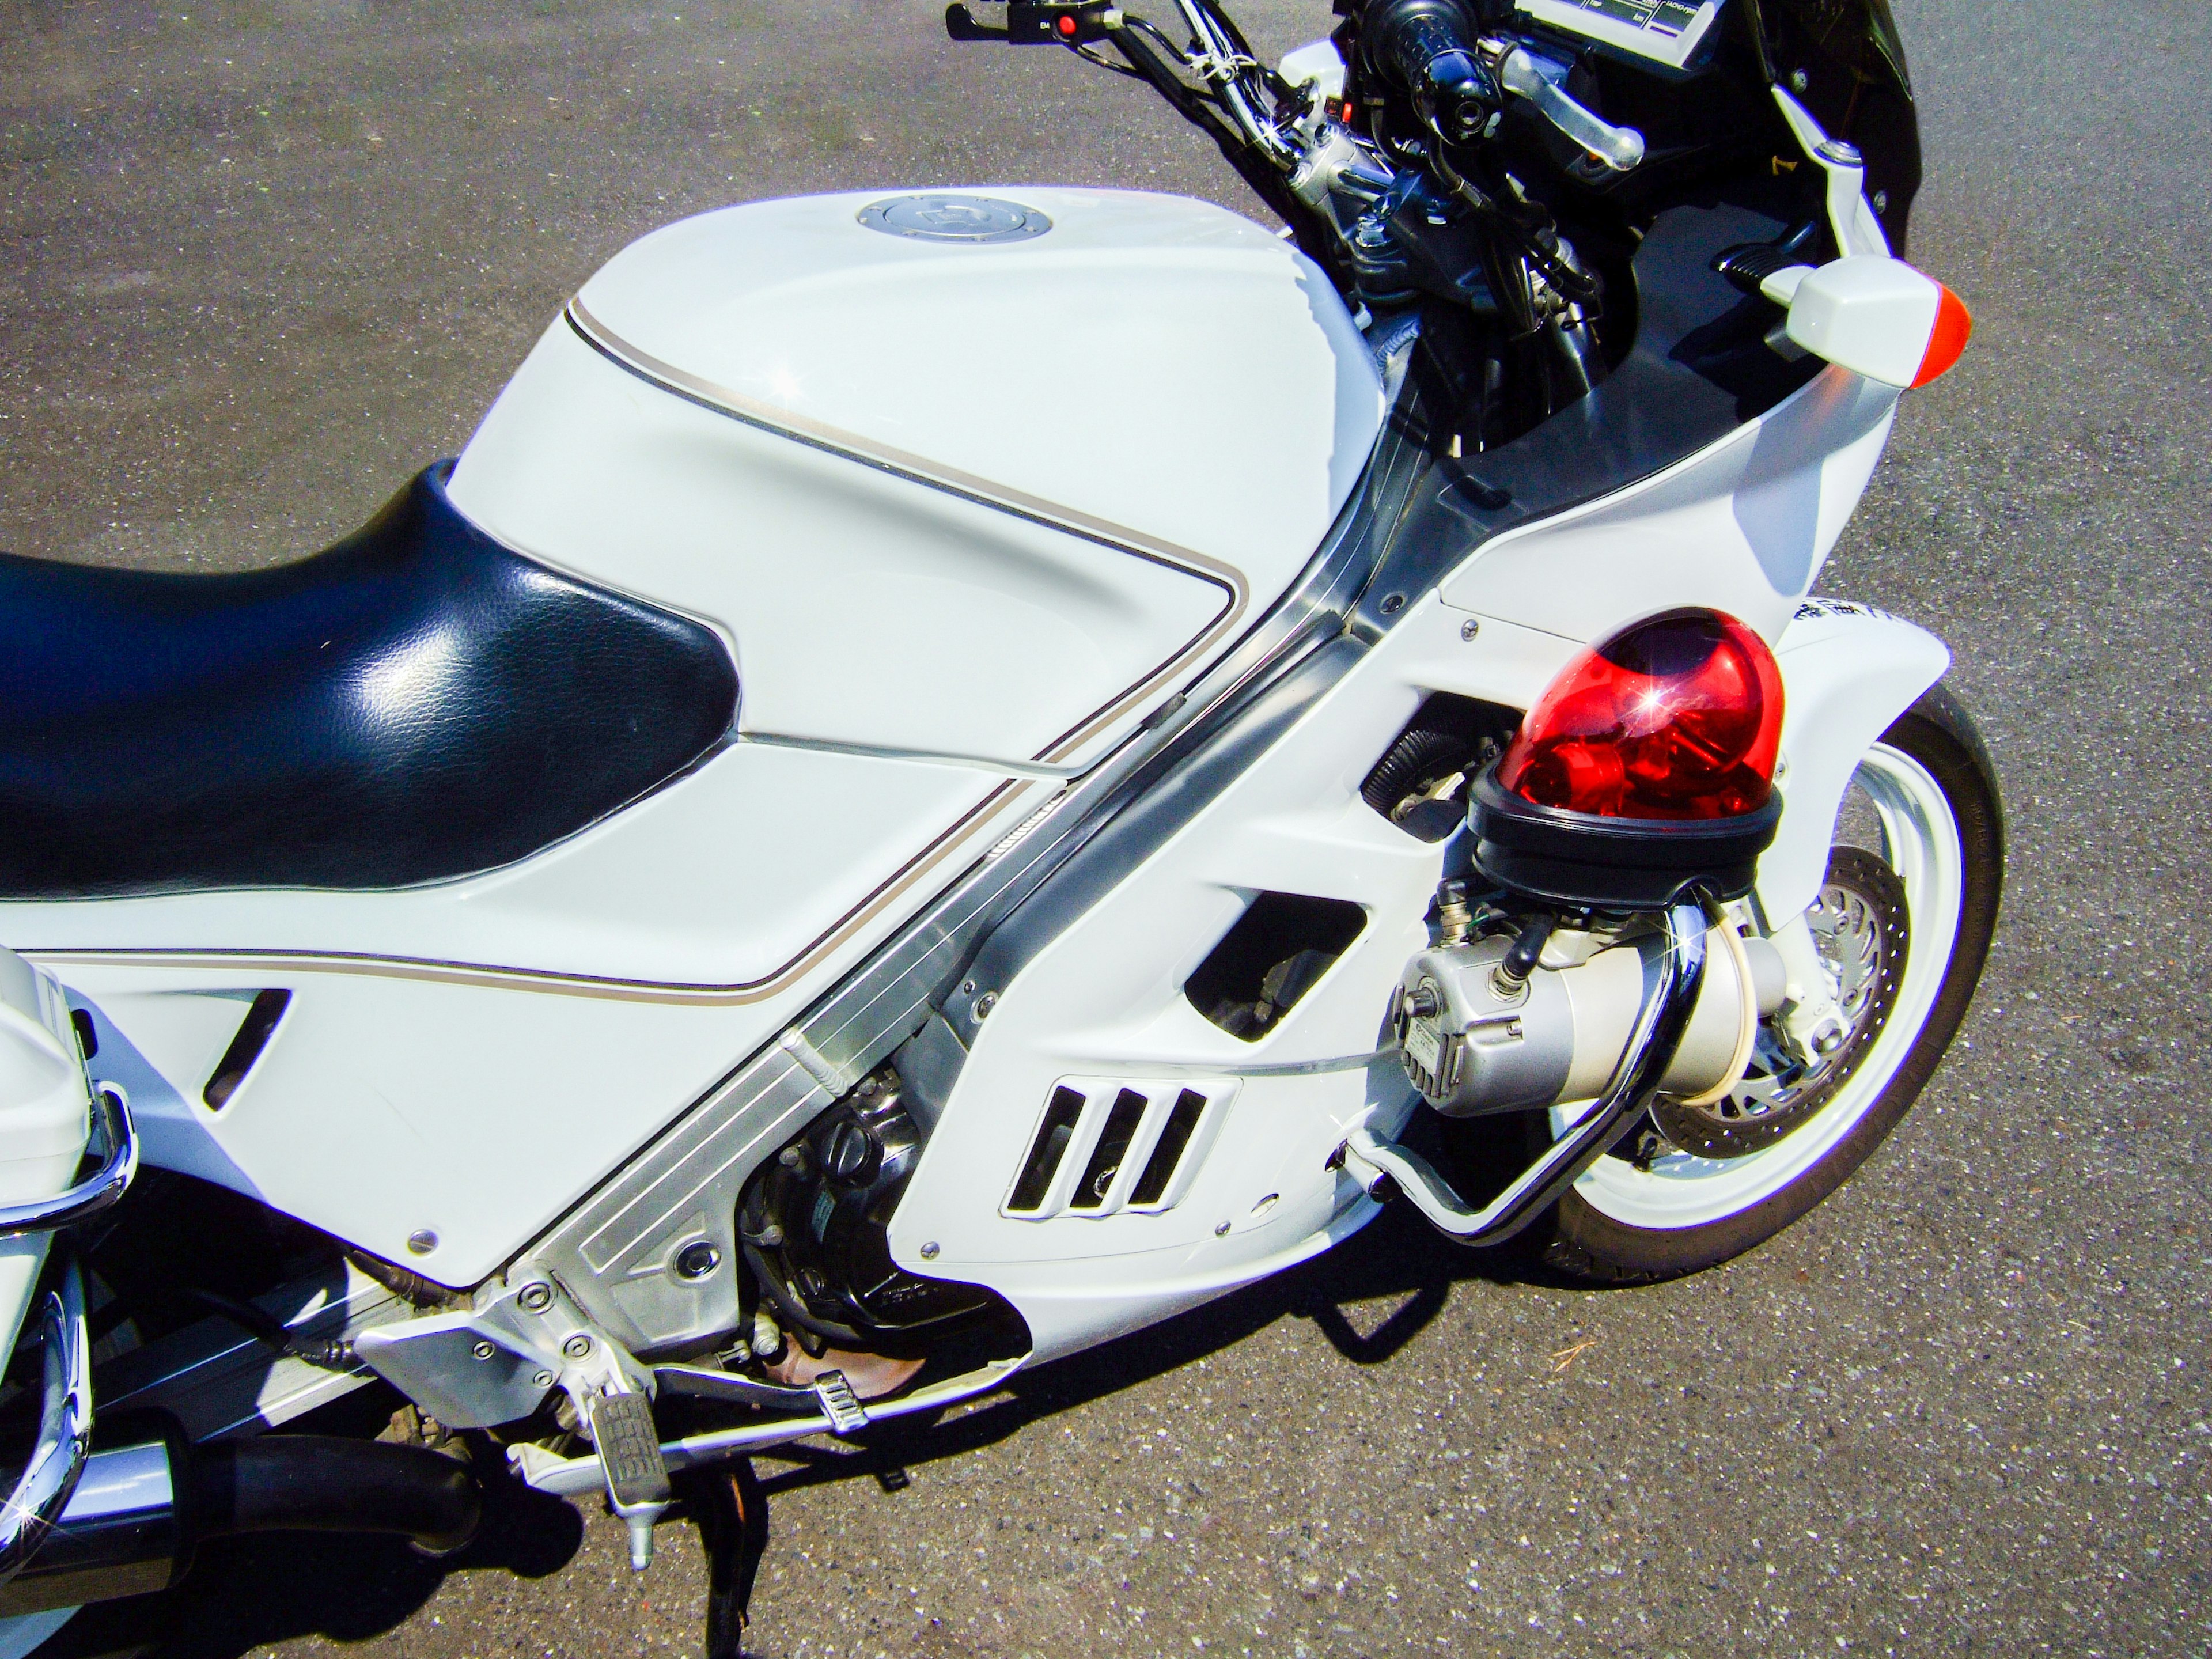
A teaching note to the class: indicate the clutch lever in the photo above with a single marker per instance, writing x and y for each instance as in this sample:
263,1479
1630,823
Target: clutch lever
960,24
1620,148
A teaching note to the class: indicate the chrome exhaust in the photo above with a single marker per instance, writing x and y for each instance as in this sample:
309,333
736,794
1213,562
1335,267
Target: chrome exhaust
138,1512
120,1535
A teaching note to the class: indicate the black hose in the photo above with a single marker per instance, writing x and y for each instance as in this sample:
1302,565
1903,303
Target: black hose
1419,756
335,1354
1527,948
319,1483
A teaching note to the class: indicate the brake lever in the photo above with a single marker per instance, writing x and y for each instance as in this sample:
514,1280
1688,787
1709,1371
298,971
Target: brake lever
1619,147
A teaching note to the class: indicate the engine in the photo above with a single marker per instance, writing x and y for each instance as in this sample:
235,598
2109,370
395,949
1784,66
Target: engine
1515,1023
813,1225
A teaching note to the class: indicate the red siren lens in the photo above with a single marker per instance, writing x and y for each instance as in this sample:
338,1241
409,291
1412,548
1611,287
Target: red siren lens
1678,717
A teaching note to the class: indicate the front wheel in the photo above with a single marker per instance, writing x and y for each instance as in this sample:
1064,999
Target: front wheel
1903,924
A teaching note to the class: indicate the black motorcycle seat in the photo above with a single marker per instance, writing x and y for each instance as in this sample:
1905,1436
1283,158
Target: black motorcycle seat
416,703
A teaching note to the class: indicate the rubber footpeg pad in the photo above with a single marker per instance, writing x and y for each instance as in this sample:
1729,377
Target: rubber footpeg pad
629,1450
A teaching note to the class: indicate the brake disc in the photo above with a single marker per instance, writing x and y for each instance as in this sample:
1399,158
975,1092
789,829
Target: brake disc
1861,930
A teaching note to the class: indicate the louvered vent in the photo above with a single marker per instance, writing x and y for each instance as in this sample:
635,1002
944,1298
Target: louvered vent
1105,1144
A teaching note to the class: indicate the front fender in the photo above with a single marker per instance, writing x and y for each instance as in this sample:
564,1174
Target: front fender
1848,671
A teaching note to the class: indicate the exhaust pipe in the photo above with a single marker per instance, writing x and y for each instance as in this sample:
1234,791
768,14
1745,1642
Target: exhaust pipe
138,1512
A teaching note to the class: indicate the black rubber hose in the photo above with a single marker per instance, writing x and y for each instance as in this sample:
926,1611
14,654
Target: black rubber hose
319,1483
1527,948
1417,758
336,1354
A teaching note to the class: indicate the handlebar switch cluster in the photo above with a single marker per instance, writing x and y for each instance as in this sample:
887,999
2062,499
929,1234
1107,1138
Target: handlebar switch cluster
1038,23
1031,22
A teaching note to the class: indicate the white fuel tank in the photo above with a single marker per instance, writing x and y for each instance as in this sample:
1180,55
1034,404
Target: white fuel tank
983,474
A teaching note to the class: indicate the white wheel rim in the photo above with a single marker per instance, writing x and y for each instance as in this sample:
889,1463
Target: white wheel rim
1920,843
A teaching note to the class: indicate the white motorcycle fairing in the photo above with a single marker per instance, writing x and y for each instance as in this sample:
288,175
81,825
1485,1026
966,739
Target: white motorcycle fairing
1105,995
1046,470
565,1012
941,602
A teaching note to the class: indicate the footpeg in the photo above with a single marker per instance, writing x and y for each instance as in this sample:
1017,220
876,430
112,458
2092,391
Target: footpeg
839,1403
629,1456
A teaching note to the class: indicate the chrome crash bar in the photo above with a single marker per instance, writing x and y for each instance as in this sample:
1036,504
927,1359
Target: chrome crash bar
57,1459
95,1192
42,1491
1659,1024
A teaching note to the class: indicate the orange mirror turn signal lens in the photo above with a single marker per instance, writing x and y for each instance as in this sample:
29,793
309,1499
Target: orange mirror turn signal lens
1947,339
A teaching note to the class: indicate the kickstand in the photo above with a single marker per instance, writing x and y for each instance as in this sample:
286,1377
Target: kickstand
732,1515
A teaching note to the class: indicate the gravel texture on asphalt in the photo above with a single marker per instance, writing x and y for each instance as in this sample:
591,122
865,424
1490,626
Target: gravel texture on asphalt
261,258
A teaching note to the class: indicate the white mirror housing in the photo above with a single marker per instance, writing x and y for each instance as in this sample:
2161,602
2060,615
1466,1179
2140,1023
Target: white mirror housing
1318,63
1873,315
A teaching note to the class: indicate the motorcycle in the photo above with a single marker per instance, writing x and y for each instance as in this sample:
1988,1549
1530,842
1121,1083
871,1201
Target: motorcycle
952,775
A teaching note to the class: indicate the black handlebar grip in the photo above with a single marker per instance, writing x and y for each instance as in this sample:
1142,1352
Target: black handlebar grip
1426,48
960,24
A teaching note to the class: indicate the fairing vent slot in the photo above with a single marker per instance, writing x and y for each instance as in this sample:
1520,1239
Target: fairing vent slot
1111,1152
1048,1151
1168,1150
1107,1145
1277,951
253,1034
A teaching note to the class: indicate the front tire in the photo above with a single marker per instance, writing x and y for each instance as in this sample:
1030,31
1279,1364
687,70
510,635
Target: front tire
1925,796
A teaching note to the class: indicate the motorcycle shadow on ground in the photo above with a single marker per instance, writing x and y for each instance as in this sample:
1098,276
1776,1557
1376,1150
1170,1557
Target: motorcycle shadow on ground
248,1593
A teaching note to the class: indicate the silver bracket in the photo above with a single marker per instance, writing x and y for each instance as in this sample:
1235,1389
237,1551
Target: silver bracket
463,1370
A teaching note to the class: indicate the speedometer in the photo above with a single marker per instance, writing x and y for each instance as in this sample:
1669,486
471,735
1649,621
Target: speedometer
1660,31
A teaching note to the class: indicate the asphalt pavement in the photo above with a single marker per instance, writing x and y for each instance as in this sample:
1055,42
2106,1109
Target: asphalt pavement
260,260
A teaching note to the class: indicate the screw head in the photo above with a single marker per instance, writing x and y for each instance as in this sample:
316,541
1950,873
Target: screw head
1799,80
483,1350
985,1003
543,1379
578,1346
535,1297
929,1251
697,1259
1222,1231
422,1242
1392,603
1469,628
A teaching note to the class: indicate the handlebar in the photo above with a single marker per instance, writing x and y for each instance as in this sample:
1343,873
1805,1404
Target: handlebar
1459,80
1425,47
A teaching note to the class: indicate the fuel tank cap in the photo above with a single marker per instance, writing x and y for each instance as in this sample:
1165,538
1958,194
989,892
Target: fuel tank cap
939,217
